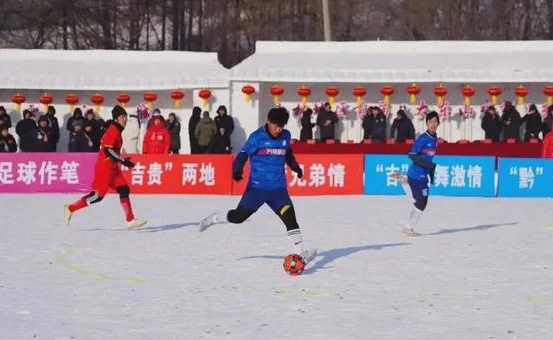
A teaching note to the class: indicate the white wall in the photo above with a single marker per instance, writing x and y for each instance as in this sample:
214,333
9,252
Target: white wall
164,103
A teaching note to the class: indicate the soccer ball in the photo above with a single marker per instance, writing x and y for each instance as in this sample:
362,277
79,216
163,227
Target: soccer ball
294,264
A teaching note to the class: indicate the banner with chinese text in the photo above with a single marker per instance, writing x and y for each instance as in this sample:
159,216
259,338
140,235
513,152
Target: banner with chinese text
180,174
454,176
525,177
322,175
46,172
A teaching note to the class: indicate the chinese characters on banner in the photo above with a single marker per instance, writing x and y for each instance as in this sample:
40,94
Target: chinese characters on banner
525,177
46,172
322,175
454,176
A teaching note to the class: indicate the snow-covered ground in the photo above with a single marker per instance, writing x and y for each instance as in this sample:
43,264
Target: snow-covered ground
483,270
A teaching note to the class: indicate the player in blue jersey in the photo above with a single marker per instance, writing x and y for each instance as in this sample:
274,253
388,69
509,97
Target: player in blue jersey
421,171
268,149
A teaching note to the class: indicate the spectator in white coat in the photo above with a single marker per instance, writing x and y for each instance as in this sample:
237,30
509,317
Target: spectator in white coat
131,133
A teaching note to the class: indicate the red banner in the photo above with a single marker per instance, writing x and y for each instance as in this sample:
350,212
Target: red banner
322,175
180,174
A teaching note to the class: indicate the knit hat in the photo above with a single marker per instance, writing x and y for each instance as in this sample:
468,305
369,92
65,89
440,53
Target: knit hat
117,111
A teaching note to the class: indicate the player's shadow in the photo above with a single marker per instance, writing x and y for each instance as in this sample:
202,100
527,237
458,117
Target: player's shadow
167,227
326,257
475,228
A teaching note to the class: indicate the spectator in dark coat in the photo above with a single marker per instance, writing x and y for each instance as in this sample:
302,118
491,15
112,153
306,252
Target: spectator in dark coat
92,138
378,133
326,121
43,136
7,142
225,125
173,125
548,121
532,123
77,139
511,122
26,129
4,116
491,124
306,132
77,115
402,128
368,123
54,127
194,120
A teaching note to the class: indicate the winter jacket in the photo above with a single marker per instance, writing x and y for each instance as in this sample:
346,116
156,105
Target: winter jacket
43,140
225,122
402,129
532,125
131,134
194,120
326,132
174,131
77,142
547,123
7,120
55,131
205,130
25,129
306,132
8,144
511,124
73,119
547,148
491,126
378,132
157,140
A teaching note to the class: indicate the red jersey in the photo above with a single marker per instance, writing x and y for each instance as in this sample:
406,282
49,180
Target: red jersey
112,139
157,140
547,151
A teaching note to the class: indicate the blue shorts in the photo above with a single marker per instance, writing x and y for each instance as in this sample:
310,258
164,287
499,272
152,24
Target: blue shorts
253,199
419,189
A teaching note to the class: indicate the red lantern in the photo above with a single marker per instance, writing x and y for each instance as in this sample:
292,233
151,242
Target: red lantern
304,92
359,92
494,91
150,97
440,91
387,91
413,91
248,90
468,91
332,92
18,99
123,99
276,91
97,99
72,100
46,99
548,91
521,92
177,96
205,94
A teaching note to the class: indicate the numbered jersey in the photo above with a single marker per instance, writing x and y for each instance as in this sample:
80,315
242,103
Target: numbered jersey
425,147
112,139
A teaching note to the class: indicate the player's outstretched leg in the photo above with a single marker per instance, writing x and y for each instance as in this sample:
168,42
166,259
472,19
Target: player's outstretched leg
288,216
235,216
124,192
90,198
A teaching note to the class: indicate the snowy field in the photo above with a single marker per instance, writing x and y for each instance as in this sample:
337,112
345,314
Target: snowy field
483,270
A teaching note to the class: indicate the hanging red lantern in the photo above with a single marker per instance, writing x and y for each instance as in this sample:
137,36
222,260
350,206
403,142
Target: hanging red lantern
359,92
276,91
387,92
150,97
440,92
46,100
468,91
413,91
494,92
177,96
248,91
97,99
123,99
18,99
332,92
304,92
71,99
548,91
521,92
205,94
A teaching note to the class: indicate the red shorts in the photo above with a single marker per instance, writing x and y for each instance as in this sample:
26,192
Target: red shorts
107,177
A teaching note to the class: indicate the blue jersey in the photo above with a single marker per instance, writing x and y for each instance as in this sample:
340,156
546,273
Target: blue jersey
424,147
267,158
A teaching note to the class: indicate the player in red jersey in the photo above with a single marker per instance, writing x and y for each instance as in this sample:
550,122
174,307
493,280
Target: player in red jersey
107,172
547,148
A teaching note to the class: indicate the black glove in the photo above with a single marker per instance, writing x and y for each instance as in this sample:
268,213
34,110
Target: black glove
299,172
237,176
128,163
